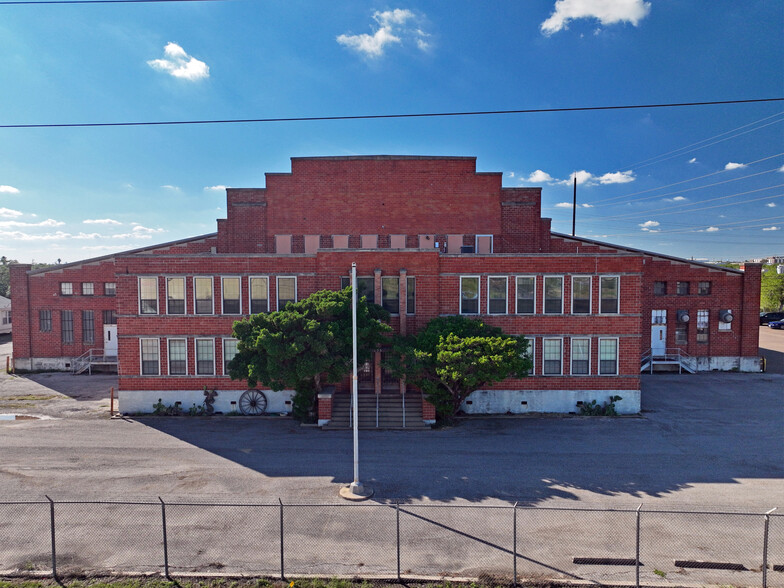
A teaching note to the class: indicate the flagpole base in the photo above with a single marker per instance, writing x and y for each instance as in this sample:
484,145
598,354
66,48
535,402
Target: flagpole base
356,492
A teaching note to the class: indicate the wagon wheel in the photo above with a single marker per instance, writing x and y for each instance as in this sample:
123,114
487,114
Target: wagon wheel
253,402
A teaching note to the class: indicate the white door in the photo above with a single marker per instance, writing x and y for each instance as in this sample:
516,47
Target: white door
110,340
658,340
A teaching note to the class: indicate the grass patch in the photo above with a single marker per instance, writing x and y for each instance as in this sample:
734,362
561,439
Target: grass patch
29,397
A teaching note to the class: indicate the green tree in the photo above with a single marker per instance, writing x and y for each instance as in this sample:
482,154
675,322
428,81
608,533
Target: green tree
5,278
453,356
771,289
307,345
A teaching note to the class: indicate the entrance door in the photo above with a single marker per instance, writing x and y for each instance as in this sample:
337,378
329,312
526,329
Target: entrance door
658,340
110,340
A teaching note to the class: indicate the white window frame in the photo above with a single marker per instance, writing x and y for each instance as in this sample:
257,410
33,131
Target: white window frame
168,355
590,295
476,243
478,295
239,294
212,295
517,311
91,286
223,353
617,356
571,355
619,295
532,354
157,297
277,289
196,355
544,356
544,294
250,292
506,294
141,355
184,294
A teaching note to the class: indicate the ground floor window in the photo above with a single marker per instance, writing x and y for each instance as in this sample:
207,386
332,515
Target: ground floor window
681,335
702,326
88,326
581,356
66,326
150,356
178,357
229,351
552,353
45,320
205,357
608,357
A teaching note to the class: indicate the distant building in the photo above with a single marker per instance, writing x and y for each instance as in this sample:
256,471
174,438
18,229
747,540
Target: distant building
5,315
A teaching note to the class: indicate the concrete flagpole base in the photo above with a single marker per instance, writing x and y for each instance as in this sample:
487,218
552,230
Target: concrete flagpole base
356,492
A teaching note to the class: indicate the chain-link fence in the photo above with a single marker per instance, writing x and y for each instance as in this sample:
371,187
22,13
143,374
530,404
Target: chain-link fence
635,546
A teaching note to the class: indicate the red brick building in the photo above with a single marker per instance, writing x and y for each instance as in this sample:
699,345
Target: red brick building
430,237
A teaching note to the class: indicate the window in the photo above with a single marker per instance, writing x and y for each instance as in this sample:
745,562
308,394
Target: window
553,295
45,321
581,356
390,294
608,357
410,295
496,295
231,296
368,241
66,326
110,317
682,288
526,295
552,356
66,288
469,294
704,288
148,295
175,295
205,357
110,289
259,295
681,334
229,351
659,288
484,244
397,241
658,317
581,295
202,291
608,295
88,289
529,353
150,354
287,291
702,326
282,244
88,327
178,357
365,287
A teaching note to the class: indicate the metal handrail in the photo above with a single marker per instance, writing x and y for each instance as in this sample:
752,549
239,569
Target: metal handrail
671,354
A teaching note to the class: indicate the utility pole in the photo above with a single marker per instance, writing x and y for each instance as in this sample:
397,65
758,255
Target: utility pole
574,205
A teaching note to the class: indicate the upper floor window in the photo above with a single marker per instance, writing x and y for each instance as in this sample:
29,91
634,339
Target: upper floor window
110,317
659,317
484,244
148,295
581,295
496,295
66,326
175,295
150,357
88,289
469,294
66,288
609,294
526,295
553,295
390,294
682,288
88,326
287,291
231,295
410,295
365,287
259,295
704,288
608,357
202,292
110,289
659,288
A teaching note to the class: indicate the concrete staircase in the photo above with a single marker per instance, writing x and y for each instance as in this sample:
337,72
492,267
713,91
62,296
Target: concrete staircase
385,411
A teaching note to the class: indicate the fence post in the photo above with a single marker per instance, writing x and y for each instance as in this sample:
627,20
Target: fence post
637,556
765,549
165,539
51,524
282,569
397,524
514,545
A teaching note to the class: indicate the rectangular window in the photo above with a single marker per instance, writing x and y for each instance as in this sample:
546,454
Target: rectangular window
175,295
66,326
581,356
608,357
231,296
526,295
553,295
682,288
287,291
202,292
259,295
659,288
484,243
88,327
552,353
469,294
205,357
530,354
704,288
178,357
110,289
702,326
681,334
608,294
45,321
66,288
150,355
581,294
88,289
229,351
496,295
410,295
110,317
365,287
148,295
658,317
390,294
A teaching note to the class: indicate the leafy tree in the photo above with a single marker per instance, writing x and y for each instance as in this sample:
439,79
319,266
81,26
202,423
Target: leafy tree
453,356
771,289
5,277
306,345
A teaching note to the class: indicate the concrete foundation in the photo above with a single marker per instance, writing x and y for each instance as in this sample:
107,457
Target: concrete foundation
557,401
142,401
728,364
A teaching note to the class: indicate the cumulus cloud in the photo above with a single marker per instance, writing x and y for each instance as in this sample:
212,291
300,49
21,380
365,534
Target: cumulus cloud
676,199
8,190
617,177
711,229
392,28
217,188
101,221
140,230
693,160
781,169
732,165
177,63
569,205
650,226
56,236
50,222
8,213
772,229
607,12
539,177
172,188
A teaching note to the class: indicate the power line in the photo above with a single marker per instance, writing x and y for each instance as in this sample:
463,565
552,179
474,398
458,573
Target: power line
711,200
384,116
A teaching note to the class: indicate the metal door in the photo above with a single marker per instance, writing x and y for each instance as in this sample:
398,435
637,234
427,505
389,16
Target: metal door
658,340
110,340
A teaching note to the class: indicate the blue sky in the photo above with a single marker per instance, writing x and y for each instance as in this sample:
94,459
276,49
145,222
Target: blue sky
704,182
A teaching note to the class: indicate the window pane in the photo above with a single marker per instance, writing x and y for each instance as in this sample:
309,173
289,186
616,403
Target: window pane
390,295
66,288
66,326
609,295
175,294
110,289
45,320
410,295
148,295
203,288
553,293
88,289
205,357
229,351
683,288
704,288
149,349
258,295
366,287
580,356
177,357
88,327
496,291
469,295
608,356
287,292
581,295
231,295
525,295
660,288
552,356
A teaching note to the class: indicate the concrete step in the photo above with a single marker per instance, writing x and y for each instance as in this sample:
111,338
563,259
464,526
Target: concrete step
390,412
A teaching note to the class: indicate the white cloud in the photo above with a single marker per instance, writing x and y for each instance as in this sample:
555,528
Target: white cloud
650,225
179,64
569,205
218,188
772,229
8,213
510,175
582,177
56,236
732,165
711,229
50,222
781,169
172,188
771,205
140,230
8,190
101,221
605,11
104,247
539,177
693,160
676,199
617,177
388,18
392,29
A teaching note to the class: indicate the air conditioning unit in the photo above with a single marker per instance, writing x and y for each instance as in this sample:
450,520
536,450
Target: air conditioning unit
683,316
466,249
725,316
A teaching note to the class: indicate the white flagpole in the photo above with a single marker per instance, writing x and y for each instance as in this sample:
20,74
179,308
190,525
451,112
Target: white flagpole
356,485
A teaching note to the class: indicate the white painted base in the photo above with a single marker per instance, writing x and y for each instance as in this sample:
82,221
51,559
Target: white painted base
728,364
557,401
142,401
43,364
323,422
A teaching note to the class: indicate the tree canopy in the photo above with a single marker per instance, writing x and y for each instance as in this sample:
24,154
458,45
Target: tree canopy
771,289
